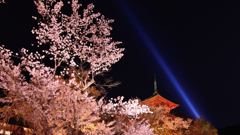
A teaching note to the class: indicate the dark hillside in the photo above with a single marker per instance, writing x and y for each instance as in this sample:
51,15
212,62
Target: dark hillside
230,130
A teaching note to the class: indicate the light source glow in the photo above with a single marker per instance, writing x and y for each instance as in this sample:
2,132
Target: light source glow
156,54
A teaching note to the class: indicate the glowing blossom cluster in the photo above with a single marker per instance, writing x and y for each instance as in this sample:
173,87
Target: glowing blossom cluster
130,108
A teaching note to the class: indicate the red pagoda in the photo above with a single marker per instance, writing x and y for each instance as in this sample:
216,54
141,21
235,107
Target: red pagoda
156,99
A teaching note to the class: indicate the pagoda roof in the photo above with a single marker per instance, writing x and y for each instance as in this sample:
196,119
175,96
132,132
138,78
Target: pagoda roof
157,99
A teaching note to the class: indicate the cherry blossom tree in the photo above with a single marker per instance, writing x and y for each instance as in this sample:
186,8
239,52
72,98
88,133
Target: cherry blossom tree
47,105
85,38
50,105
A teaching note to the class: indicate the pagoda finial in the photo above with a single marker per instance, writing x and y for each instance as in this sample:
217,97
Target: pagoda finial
155,85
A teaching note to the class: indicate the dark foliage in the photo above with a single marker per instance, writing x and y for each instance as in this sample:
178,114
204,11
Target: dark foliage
230,130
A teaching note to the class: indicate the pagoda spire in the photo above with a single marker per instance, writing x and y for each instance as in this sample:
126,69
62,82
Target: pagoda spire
155,85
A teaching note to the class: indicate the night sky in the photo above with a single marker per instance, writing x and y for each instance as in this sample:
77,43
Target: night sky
199,42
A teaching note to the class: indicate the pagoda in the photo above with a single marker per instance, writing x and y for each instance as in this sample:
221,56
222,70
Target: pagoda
156,99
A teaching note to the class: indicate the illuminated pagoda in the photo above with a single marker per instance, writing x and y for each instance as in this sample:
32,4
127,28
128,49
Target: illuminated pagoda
156,99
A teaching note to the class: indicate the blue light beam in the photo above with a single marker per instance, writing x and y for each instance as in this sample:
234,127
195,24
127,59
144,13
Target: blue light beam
156,54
